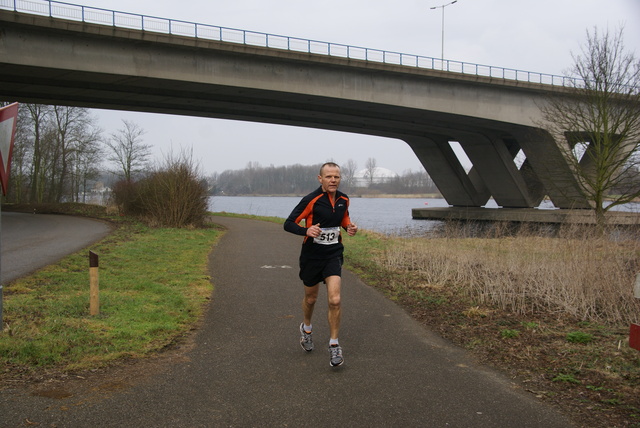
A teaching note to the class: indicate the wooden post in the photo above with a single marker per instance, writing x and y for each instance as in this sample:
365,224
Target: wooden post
94,289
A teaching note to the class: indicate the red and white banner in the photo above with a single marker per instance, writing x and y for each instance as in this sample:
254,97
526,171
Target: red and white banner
8,122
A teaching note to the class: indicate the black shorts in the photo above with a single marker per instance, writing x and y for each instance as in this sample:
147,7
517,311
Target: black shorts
313,271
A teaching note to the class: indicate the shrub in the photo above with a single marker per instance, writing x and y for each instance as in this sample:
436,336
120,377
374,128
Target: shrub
172,195
125,196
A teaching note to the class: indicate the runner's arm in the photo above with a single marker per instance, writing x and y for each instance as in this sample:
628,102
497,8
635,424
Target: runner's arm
291,223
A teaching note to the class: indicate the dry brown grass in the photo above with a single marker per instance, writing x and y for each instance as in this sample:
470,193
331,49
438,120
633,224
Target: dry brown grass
589,278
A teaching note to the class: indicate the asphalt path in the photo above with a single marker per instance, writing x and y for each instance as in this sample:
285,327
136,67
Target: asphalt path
244,367
32,241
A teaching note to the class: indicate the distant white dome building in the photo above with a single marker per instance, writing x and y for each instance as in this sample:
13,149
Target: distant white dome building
380,175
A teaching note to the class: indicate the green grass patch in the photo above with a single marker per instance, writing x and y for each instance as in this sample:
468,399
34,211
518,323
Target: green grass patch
579,337
360,252
566,378
509,333
153,286
249,217
530,325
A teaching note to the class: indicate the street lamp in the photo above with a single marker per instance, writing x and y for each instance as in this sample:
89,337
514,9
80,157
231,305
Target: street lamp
442,7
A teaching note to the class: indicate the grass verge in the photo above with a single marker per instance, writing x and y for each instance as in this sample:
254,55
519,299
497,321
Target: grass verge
153,286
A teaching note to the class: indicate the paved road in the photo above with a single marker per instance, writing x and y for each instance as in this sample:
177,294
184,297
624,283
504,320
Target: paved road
244,366
32,241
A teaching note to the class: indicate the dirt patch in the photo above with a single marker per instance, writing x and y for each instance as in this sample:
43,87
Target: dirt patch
55,393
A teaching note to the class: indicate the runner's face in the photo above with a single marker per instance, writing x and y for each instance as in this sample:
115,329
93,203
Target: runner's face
329,179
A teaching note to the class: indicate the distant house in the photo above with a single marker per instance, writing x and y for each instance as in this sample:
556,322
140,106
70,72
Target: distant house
99,194
380,175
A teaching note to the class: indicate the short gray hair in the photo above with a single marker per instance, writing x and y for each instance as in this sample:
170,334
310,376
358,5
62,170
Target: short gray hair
331,164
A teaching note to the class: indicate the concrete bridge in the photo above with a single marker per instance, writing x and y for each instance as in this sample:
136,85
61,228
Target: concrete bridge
74,62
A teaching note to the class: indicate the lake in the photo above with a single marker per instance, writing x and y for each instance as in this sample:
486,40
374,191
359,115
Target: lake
391,216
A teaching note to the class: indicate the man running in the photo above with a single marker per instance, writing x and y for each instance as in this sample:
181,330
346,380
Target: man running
324,211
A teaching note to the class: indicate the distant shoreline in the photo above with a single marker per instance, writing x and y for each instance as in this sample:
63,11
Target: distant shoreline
405,196
352,195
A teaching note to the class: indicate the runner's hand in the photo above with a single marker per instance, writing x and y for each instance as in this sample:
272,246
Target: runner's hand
314,231
352,229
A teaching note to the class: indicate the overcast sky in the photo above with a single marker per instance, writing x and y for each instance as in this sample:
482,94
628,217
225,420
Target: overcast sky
527,35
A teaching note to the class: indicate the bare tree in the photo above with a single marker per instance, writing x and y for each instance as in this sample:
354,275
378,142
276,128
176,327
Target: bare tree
130,153
74,131
51,142
251,175
370,169
87,161
21,164
599,118
348,171
37,135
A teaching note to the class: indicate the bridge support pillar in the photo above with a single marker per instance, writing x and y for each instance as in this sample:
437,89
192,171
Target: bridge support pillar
493,158
544,172
554,173
457,187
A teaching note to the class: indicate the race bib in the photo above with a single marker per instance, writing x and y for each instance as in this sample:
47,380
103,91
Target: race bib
328,236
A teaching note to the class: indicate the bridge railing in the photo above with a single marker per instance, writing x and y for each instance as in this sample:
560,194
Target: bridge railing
93,15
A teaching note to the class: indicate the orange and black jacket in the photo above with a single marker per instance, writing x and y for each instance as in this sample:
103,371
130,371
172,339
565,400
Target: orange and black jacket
319,207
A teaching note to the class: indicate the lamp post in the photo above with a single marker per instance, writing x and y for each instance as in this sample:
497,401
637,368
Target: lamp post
442,7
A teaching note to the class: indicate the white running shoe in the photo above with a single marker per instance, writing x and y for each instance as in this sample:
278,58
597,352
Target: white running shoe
306,341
